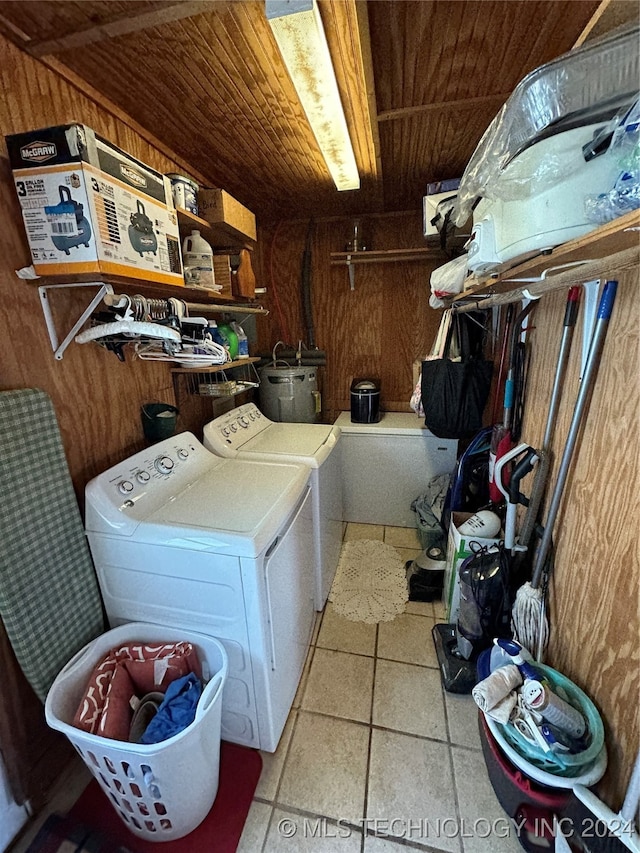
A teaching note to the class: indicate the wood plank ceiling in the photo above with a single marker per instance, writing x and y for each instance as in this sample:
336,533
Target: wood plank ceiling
420,81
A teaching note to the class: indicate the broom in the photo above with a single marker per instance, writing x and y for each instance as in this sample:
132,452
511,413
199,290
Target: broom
528,618
591,368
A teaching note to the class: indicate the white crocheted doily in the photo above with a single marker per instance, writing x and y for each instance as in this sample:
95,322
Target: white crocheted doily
370,583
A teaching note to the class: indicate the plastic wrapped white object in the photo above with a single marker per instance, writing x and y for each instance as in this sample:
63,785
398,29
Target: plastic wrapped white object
447,280
625,193
602,74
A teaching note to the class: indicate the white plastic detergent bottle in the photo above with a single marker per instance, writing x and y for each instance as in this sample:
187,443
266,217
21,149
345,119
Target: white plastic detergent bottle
197,256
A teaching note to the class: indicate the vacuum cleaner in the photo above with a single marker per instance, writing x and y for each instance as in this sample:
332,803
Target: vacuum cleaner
485,613
69,226
141,234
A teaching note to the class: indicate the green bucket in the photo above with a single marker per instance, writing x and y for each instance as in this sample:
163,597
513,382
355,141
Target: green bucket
158,421
561,764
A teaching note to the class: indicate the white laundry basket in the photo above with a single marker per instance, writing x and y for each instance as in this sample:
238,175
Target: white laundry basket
161,791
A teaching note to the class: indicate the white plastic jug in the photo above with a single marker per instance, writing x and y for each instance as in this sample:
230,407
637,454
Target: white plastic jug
197,256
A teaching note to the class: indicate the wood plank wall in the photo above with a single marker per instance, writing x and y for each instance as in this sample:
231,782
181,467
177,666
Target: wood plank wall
378,329
595,587
375,330
97,398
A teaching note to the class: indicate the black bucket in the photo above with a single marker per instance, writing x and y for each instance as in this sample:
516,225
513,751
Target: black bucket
158,421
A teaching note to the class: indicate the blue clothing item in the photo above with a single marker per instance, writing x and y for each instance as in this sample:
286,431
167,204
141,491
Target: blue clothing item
177,711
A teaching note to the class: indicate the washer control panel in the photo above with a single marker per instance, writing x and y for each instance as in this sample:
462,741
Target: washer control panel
226,434
151,477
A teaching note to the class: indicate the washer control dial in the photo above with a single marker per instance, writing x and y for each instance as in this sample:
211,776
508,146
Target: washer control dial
244,423
164,464
125,486
143,476
234,427
183,453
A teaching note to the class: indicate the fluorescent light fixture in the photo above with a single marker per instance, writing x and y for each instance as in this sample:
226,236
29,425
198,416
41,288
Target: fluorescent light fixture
298,30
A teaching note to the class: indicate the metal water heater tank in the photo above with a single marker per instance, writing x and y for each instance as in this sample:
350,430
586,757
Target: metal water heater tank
290,394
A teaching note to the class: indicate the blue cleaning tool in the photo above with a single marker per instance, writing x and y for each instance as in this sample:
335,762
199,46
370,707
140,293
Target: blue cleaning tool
561,741
514,650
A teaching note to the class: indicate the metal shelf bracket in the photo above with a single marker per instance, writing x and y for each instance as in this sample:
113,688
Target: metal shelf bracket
58,349
546,272
352,274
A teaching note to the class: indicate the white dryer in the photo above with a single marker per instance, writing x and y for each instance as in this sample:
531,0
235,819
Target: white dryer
186,539
245,433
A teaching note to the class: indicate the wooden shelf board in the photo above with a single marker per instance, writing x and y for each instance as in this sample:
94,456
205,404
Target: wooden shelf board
216,368
605,242
387,256
156,289
218,235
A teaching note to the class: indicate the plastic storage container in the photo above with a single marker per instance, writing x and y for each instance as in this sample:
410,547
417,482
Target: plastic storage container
532,805
185,192
561,764
161,791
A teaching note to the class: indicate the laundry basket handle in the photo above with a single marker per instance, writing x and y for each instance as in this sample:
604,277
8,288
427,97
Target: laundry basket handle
210,694
77,659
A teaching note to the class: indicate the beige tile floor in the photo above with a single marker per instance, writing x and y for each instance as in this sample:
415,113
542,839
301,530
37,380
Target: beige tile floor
376,757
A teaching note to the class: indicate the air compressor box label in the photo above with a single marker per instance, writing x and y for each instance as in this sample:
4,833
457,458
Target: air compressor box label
80,218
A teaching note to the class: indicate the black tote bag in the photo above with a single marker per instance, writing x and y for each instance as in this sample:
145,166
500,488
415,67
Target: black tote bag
454,393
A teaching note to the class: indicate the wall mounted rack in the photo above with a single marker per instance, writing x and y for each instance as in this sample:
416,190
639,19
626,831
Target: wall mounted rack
381,256
106,287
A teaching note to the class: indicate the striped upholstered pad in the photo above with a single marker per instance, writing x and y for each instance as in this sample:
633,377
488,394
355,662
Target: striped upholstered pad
49,597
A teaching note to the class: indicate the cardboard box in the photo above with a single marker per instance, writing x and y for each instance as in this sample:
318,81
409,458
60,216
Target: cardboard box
458,549
231,219
223,273
89,207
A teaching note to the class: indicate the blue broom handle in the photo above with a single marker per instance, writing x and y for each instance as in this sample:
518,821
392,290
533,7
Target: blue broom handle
604,314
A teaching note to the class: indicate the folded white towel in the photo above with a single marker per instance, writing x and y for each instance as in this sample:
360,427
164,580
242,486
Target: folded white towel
495,695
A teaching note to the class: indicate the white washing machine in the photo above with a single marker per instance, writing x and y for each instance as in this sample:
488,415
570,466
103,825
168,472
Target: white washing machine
245,433
190,540
387,465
